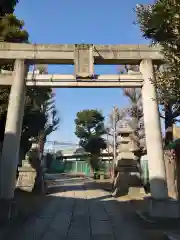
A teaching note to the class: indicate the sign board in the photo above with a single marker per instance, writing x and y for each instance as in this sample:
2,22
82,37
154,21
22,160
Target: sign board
84,61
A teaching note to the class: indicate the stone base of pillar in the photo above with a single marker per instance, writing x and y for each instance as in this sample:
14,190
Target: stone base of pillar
5,210
167,208
9,211
160,210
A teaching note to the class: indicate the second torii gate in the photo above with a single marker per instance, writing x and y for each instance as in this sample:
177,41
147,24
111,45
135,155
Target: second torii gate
83,56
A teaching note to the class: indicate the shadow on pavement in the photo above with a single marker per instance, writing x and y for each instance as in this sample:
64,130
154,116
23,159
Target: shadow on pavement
76,218
73,184
81,212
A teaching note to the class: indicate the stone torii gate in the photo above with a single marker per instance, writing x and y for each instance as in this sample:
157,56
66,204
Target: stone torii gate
84,57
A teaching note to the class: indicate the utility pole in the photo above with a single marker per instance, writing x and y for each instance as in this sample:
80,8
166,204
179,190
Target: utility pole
114,140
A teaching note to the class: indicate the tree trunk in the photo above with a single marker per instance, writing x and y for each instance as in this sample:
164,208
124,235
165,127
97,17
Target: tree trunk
41,143
169,155
94,163
39,185
177,151
48,161
168,124
171,172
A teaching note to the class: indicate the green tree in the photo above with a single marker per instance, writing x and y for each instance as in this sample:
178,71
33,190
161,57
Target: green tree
11,30
90,129
7,6
35,117
51,122
160,23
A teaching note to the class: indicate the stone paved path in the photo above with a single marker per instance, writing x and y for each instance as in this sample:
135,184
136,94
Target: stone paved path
79,212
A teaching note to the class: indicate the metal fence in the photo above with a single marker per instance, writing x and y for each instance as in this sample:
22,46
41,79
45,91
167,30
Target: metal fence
76,167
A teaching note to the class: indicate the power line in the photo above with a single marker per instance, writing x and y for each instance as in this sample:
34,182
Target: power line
56,143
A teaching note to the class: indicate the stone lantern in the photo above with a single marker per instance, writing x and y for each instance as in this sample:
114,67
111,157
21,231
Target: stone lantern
126,148
126,163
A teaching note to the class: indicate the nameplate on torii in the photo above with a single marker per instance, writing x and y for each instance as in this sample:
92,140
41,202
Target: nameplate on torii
84,61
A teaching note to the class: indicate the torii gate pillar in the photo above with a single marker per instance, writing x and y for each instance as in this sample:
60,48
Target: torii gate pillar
10,151
157,172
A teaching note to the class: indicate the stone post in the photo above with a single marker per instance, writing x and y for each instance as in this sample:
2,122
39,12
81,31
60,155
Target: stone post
10,151
157,173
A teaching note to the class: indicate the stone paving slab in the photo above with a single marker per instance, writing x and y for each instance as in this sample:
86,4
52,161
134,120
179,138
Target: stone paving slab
80,212
52,235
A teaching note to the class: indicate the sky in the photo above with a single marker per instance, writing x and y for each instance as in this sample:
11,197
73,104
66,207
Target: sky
80,21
